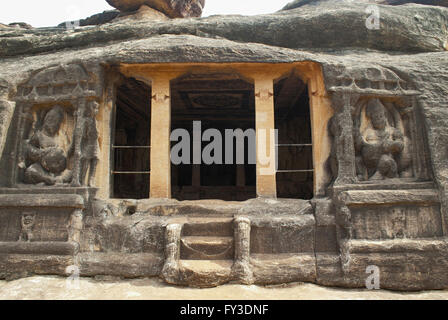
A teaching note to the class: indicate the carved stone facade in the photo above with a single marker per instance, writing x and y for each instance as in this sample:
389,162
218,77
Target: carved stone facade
86,178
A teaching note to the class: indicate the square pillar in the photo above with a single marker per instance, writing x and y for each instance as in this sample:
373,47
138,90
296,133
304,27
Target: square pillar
240,175
160,138
196,175
266,142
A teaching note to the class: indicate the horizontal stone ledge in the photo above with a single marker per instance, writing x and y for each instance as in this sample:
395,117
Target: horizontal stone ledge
392,184
128,265
397,245
40,248
283,268
389,197
307,220
41,200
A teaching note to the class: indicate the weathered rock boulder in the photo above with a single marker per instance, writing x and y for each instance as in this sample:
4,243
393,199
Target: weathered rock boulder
329,26
16,25
143,13
97,19
172,8
301,3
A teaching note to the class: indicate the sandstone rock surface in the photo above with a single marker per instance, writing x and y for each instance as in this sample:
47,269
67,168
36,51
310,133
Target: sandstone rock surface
301,3
172,8
329,26
97,19
411,43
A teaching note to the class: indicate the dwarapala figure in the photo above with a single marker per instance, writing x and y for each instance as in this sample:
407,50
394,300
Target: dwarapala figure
86,146
46,161
378,145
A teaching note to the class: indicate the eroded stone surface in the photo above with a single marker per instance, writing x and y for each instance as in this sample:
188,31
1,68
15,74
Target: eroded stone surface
289,29
388,168
301,3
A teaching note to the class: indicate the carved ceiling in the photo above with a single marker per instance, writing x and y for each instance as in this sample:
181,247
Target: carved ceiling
212,97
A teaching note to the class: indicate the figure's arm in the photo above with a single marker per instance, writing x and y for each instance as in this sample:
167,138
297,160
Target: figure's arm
34,153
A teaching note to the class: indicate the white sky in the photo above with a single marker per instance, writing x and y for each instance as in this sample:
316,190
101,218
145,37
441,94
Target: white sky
44,13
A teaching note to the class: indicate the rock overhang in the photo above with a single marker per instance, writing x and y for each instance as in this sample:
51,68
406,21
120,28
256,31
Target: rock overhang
185,49
326,27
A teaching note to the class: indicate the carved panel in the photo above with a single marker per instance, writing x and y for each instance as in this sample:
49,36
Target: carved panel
396,222
57,136
46,225
46,147
383,141
62,82
59,144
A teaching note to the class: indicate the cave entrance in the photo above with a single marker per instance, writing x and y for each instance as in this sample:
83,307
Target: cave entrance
295,173
220,102
131,140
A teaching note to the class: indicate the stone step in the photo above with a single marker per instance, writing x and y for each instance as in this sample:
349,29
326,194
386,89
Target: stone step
219,227
205,273
207,248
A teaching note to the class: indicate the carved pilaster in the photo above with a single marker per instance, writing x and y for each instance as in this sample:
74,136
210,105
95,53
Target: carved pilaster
75,226
242,270
170,270
343,137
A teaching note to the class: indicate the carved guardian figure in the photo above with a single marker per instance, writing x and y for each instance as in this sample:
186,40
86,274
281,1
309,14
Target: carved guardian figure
378,145
86,146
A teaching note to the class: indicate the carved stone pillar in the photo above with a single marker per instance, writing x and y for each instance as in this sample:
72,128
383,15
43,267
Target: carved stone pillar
160,138
75,227
240,175
170,270
266,144
196,175
345,146
242,270
17,160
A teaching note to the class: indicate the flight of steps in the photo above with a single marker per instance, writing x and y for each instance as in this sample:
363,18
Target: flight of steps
207,250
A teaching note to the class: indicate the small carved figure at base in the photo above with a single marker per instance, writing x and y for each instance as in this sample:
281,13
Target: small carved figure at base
27,222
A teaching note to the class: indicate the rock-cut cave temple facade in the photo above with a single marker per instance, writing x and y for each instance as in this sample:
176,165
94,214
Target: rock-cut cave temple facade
361,176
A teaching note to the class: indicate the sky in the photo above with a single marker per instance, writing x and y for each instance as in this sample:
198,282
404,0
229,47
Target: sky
45,13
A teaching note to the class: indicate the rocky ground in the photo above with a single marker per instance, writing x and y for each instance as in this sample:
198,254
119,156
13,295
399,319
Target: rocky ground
54,288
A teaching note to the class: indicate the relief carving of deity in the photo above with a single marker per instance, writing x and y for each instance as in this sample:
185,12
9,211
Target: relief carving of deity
46,161
383,151
71,160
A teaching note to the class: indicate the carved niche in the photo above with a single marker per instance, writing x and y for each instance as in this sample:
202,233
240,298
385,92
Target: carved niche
57,141
375,133
383,141
46,149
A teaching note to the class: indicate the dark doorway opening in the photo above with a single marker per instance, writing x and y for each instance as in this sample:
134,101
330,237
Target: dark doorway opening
131,141
295,174
221,102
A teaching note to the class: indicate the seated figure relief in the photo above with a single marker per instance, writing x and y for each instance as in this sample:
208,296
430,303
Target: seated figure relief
382,149
46,161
